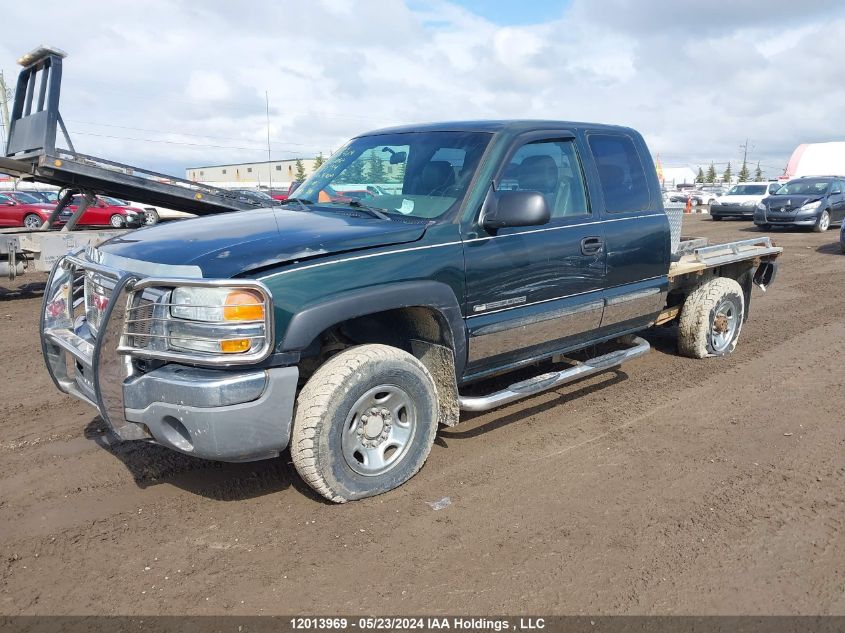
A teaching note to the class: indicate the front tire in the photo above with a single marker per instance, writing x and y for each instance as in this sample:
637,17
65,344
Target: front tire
711,319
716,218
117,221
823,224
764,227
364,423
32,221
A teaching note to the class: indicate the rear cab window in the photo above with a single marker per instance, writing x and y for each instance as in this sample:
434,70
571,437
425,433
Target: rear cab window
622,175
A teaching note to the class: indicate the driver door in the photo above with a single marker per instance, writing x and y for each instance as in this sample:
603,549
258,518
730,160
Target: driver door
837,201
536,289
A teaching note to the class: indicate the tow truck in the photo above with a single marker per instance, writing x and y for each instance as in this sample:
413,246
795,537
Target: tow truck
32,153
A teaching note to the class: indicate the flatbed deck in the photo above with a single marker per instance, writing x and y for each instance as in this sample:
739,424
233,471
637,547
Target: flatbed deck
700,258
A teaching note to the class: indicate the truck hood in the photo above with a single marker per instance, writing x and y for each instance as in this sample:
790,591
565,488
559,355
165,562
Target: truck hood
230,244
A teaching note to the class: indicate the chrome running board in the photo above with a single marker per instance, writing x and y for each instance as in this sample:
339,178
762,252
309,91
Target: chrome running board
550,380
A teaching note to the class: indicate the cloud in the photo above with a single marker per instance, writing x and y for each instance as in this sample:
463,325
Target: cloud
171,83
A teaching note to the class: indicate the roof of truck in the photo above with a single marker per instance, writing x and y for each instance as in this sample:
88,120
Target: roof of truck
493,126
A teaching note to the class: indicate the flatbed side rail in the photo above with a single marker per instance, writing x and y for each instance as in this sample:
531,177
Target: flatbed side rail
703,253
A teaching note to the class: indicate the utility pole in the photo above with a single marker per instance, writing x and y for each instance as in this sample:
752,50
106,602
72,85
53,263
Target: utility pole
4,109
269,159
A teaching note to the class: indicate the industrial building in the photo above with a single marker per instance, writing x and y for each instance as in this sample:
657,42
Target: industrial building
260,174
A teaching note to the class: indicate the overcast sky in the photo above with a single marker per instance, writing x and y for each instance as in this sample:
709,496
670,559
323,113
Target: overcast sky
168,84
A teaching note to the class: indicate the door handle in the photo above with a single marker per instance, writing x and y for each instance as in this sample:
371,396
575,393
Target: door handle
591,245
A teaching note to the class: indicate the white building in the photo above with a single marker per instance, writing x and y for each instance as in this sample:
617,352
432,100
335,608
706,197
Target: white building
250,175
674,177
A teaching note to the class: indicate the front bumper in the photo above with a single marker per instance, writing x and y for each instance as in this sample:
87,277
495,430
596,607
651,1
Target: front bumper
226,414
786,219
731,211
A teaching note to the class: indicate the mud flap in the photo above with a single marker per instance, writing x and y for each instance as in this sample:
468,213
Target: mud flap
765,275
440,362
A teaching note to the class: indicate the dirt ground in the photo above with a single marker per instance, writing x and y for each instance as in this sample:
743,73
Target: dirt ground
671,486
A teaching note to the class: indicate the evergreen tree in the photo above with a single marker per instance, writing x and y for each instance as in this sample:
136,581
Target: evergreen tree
300,170
744,174
726,177
711,173
318,161
354,172
700,177
758,173
376,169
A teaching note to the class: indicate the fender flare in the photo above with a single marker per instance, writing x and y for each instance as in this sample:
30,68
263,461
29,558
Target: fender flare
309,322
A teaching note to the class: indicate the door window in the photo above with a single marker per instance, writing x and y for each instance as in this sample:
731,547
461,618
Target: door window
621,173
552,168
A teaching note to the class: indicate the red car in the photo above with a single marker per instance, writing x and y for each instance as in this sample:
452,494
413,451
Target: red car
22,209
107,211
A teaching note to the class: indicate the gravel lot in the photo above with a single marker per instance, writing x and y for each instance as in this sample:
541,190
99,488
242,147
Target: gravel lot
669,486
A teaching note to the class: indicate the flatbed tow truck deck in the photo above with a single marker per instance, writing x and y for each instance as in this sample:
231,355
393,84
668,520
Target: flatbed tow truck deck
31,154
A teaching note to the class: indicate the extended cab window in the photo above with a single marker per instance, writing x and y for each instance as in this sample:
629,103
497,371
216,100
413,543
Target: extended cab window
621,172
553,169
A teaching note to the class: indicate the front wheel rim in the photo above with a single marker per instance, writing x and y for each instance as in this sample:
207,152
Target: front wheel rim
379,430
32,222
724,325
116,221
824,222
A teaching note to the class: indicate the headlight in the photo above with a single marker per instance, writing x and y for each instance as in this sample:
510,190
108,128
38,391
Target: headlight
761,207
217,320
810,206
216,305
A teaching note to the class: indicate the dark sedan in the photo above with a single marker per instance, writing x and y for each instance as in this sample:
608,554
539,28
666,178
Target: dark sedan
814,202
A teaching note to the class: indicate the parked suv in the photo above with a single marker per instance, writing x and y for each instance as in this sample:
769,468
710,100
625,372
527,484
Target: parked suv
816,202
741,200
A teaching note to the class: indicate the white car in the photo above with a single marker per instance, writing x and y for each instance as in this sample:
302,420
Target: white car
741,200
155,214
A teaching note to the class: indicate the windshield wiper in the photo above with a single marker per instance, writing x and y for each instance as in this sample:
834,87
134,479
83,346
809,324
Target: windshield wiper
303,204
357,204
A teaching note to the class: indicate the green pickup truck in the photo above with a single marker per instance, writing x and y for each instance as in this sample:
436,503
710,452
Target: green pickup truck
347,326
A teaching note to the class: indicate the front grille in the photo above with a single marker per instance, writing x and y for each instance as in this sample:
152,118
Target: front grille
139,323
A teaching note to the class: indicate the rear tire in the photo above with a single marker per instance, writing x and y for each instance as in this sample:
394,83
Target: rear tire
151,217
117,221
32,221
364,423
711,319
823,224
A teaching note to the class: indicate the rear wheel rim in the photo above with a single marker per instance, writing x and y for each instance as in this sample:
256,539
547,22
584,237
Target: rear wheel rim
724,325
32,222
379,430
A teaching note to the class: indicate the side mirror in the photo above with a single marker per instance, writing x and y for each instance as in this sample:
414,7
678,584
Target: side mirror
503,209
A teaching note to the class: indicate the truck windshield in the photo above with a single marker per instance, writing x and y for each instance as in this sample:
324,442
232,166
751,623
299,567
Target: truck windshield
417,174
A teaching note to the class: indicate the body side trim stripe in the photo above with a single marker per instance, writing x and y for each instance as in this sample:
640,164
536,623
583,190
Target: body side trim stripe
476,239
